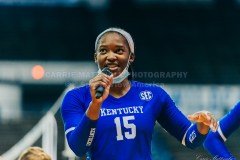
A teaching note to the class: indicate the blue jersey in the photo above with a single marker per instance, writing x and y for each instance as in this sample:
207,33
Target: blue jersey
214,142
125,126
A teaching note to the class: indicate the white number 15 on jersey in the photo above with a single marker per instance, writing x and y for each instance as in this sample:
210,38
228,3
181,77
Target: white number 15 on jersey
126,124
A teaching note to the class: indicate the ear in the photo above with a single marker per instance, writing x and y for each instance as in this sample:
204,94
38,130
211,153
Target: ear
132,57
95,57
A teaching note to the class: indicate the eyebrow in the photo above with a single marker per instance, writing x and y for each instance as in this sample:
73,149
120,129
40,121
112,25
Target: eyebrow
120,46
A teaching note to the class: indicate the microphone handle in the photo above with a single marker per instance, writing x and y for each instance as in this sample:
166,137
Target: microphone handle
99,92
100,89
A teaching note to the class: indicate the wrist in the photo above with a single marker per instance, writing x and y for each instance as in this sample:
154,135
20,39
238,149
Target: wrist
96,103
93,110
202,128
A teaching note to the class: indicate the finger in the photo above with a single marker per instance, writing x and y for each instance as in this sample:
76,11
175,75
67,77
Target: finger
105,75
205,114
193,117
95,85
211,115
211,123
200,117
213,126
205,118
108,87
207,121
213,119
100,78
216,124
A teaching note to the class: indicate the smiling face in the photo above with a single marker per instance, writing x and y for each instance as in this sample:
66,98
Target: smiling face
113,52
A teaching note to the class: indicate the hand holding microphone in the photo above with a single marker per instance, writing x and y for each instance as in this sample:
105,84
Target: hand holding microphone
100,85
100,89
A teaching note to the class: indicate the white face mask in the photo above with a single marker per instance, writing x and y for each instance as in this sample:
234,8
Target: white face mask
121,76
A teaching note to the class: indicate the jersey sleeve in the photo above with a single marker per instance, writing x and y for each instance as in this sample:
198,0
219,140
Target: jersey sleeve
214,144
230,122
174,122
79,129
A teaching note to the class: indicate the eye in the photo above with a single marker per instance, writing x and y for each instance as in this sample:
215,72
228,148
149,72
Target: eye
102,51
119,51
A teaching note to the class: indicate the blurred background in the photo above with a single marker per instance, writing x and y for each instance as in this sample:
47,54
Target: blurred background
190,47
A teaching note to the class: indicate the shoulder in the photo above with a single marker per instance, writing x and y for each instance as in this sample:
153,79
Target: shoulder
76,98
80,90
77,94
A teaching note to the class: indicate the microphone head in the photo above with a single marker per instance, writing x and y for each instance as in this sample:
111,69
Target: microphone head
106,71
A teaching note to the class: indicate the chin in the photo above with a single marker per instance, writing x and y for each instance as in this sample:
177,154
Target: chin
115,74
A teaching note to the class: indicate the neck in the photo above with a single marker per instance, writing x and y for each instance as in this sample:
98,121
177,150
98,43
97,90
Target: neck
120,89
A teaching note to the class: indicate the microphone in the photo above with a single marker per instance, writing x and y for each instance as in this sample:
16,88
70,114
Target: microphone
100,89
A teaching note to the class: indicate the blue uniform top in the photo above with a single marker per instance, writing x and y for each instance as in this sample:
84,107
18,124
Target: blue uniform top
125,126
214,142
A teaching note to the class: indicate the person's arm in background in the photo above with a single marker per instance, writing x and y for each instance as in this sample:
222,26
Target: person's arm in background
80,123
191,135
214,142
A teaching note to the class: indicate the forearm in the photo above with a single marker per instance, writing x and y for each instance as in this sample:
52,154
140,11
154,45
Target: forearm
193,138
230,122
214,144
80,139
79,122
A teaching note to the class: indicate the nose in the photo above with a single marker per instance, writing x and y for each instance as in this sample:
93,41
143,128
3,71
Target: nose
111,56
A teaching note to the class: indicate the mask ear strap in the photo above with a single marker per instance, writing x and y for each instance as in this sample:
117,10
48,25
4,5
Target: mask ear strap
129,63
99,69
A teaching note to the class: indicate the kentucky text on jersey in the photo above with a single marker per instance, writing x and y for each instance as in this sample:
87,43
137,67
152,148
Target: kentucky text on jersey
119,111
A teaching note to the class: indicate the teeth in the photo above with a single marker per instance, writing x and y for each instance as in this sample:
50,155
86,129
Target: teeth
112,66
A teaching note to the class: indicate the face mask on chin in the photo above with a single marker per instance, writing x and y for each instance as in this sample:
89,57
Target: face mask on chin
121,76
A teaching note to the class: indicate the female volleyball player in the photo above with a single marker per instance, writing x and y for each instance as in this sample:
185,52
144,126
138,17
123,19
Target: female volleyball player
214,142
119,125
